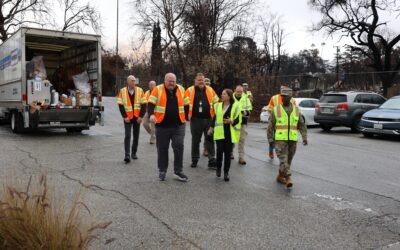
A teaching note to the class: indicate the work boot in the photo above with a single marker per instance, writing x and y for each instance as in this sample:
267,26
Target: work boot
281,178
242,162
271,155
205,152
289,182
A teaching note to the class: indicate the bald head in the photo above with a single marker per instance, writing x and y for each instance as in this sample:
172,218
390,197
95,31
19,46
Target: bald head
170,81
152,84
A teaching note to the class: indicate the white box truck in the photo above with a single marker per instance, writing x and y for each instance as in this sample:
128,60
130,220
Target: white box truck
31,99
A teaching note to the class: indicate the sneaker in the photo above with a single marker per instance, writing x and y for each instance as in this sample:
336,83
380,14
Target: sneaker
194,164
242,162
226,177
162,176
127,160
181,176
212,164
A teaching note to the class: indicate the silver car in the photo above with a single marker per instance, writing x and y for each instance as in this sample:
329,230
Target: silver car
345,108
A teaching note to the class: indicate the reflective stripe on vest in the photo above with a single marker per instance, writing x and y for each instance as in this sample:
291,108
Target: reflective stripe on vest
161,101
124,99
286,127
219,133
210,97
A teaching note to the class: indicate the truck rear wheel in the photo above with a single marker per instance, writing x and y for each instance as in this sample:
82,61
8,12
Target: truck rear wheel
16,122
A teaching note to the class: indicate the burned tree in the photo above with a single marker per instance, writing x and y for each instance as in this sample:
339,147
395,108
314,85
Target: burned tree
363,22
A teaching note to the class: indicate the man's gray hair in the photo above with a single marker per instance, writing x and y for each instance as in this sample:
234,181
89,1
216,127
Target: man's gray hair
131,77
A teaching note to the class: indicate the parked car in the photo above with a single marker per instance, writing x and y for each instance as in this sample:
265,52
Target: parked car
307,108
384,120
345,108
306,105
264,115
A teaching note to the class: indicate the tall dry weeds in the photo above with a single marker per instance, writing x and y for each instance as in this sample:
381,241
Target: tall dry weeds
33,219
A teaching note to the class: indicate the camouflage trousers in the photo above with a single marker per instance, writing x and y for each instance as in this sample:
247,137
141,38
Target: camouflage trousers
285,151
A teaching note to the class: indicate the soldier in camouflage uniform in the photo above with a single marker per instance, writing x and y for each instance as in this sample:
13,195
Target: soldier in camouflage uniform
286,121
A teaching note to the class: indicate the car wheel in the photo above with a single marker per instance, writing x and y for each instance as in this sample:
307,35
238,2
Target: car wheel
355,128
74,130
326,127
368,135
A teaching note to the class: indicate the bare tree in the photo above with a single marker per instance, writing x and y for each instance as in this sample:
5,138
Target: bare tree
14,13
77,15
274,36
169,13
363,22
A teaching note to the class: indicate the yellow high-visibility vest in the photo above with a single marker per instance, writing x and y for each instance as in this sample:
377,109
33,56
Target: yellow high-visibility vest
219,122
286,127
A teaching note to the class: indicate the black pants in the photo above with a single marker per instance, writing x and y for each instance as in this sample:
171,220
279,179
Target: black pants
133,125
224,148
163,138
198,127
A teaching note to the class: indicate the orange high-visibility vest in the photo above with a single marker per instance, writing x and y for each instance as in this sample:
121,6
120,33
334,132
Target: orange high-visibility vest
275,101
147,95
211,97
139,99
158,97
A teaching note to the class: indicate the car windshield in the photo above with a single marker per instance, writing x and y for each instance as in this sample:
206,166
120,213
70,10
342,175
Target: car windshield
391,104
333,99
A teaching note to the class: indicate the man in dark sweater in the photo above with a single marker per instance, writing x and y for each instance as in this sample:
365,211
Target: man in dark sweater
132,105
167,107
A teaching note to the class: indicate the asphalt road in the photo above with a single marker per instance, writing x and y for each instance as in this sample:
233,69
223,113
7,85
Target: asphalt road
346,191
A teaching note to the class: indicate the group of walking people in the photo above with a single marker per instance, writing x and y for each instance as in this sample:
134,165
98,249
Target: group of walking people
164,110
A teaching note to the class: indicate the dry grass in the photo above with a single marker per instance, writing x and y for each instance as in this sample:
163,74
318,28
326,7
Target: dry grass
34,219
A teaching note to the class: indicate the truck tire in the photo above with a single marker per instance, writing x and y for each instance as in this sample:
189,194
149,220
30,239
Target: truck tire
17,124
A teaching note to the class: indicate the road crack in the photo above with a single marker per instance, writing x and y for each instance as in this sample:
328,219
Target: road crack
96,188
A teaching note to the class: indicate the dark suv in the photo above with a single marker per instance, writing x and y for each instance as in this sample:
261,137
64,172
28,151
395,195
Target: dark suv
345,108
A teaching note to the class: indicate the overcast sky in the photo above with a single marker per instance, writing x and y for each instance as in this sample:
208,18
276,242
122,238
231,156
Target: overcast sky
296,15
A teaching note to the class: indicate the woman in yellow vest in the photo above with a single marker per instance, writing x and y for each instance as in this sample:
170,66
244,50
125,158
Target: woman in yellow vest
226,128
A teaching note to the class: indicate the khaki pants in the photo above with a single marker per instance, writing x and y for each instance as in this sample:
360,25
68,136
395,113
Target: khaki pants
150,128
242,141
285,151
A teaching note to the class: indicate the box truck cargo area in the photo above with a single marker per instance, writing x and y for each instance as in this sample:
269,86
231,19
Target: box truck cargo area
52,81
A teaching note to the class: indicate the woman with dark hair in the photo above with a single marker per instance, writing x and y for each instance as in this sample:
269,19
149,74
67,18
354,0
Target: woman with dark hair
226,128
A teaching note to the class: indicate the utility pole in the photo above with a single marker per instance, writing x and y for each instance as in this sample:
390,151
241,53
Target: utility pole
337,63
116,52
